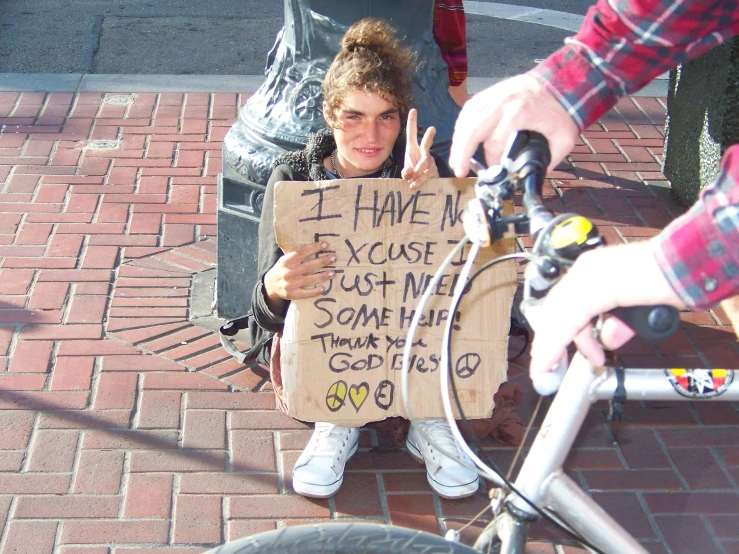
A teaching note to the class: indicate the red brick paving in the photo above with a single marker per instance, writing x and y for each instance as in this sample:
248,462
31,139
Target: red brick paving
127,430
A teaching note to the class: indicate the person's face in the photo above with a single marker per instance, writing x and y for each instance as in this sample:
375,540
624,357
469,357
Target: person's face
366,126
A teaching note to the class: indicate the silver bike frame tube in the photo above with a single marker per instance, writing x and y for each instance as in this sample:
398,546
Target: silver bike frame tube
511,533
653,384
541,479
557,433
584,515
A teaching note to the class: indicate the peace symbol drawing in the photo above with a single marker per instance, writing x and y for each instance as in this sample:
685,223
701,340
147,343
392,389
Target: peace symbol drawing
336,396
467,364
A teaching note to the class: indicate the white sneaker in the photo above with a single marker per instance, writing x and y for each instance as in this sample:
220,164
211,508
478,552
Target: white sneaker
319,471
446,476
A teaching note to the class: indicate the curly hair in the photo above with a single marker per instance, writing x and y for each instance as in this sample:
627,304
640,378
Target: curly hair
372,59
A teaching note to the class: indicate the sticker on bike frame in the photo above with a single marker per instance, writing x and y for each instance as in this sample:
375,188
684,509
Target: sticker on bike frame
700,383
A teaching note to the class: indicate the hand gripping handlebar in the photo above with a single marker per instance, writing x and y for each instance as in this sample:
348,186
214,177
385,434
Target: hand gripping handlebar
558,241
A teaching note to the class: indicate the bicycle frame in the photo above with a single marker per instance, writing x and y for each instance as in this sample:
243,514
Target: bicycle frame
541,481
541,478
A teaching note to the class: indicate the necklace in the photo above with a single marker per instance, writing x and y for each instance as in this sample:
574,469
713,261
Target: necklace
385,166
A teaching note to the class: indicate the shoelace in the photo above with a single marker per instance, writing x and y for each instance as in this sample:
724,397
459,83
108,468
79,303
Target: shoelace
328,439
439,431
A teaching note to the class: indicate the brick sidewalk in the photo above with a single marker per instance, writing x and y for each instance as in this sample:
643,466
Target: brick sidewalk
125,429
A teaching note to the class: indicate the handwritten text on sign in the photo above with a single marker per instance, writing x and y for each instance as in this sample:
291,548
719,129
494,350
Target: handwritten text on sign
342,351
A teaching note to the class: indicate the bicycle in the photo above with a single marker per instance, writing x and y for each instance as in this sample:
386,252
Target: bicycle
541,488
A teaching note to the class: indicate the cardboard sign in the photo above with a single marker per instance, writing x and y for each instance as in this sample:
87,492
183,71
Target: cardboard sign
731,307
341,352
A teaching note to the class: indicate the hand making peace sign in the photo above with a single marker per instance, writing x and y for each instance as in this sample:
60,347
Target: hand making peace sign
419,163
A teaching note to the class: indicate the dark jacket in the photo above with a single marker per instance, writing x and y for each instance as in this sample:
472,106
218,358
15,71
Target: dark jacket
303,165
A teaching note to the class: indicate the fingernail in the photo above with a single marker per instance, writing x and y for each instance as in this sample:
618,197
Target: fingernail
332,259
330,273
324,245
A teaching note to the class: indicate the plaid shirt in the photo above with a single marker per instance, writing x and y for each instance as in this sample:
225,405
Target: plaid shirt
699,251
624,44
621,46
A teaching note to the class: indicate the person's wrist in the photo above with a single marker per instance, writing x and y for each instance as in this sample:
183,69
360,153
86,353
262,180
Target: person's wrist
267,286
274,300
670,295
276,304
634,275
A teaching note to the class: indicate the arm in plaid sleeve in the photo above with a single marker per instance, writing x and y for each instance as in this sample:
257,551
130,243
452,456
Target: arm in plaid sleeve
699,251
624,44
450,33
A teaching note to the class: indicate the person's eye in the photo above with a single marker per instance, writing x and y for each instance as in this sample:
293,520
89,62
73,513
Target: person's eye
353,117
389,117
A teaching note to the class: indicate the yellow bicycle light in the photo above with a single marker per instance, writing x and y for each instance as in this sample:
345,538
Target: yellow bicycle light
572,236
576,229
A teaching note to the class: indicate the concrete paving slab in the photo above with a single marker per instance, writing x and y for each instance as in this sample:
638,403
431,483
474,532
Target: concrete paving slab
171,83
47,82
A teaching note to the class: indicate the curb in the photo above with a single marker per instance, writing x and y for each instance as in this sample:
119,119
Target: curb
248,84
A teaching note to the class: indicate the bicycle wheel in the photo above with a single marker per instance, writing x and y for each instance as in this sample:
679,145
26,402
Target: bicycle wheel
342,538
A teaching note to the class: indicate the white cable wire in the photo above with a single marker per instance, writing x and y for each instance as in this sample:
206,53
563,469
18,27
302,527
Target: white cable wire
445,369
405,369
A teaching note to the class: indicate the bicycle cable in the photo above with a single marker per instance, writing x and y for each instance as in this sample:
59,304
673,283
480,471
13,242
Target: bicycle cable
492,466
474,519
405,367
525,436
488,472
446,356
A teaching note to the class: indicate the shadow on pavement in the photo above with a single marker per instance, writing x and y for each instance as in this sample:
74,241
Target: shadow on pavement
84,421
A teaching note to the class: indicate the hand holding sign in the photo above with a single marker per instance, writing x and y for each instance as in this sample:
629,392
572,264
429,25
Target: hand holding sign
298,274
419,163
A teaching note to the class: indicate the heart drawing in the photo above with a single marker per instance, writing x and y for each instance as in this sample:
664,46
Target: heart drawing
358,394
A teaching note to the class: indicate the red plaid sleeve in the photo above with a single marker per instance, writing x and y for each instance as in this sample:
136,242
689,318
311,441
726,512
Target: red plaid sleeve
624,44
450,33
699,251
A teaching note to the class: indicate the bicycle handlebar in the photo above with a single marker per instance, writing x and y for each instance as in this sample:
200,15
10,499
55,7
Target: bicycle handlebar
523,169
653,323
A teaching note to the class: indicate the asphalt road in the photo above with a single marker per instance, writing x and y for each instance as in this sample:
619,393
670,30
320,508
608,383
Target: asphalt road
215,37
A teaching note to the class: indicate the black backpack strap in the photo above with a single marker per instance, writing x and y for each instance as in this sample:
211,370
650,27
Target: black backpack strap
230,328
520,327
